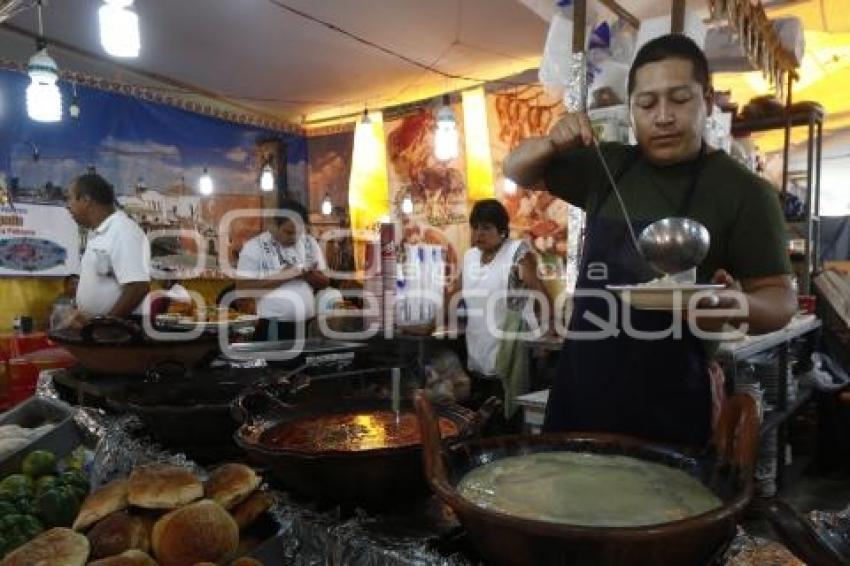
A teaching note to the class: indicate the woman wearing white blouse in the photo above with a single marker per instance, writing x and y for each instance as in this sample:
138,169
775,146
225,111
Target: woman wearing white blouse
495,269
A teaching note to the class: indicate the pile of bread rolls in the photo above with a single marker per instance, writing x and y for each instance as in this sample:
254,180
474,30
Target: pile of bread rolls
160,515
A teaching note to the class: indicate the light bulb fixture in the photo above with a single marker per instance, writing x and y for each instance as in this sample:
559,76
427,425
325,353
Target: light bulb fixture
267,178
74,107
445,136
327,205
205,184
407,204
119,29
364,138
509,186
44,101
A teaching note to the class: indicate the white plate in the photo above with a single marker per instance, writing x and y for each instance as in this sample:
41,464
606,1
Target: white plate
658,298
188,323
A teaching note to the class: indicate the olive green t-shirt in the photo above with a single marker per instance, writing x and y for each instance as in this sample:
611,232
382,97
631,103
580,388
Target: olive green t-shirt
740,209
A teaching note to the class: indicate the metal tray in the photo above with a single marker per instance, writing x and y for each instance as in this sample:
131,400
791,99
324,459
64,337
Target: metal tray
61,439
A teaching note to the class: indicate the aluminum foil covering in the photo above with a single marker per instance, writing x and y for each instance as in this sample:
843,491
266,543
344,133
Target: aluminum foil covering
124,445
311,537
44,387
746,550
575,91
834,526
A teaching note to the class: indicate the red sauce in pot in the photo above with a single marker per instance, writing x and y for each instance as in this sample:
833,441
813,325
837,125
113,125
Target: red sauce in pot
350,432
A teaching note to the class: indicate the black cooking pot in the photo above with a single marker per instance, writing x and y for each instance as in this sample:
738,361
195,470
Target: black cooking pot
188,410
725,467
117,346
372,479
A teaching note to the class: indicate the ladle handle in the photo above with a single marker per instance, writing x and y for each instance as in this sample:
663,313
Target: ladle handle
432,447
736,436
617,194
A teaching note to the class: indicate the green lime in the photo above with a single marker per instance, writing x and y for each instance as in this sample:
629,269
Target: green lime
75,479
45,482
17,484
39,463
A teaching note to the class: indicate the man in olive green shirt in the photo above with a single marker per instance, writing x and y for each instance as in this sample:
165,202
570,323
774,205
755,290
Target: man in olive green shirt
656,388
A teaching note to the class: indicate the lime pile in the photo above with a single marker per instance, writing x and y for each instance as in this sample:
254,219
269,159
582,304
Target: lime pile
39,498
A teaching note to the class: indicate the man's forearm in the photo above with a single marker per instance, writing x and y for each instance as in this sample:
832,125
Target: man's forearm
769,309
526,164
132,294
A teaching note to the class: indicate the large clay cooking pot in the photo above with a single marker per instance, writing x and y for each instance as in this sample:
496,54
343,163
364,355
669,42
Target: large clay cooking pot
109,345
373,479
725,466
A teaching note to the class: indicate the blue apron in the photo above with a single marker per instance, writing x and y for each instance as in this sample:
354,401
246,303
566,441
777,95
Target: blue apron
654,389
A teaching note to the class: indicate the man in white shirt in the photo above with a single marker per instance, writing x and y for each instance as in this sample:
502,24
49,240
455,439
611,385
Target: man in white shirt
286,266
115,268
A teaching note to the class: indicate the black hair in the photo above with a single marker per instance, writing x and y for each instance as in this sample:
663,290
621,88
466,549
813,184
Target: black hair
96,188
672,46
490,211
291,206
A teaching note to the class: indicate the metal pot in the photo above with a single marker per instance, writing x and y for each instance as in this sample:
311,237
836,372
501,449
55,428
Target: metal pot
110,345
372,479
188,410
725,467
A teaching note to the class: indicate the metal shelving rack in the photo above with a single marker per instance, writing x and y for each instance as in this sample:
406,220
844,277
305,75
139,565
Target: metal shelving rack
809,228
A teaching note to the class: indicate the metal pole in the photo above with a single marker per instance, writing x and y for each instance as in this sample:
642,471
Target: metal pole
677,17
786,149
816,209
579,25
621,12
810,209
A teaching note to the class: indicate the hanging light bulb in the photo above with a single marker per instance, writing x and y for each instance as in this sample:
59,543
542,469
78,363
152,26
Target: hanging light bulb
445,137
407,204
119,29
206,183
44,101
327,205
74,107
267,179
509,186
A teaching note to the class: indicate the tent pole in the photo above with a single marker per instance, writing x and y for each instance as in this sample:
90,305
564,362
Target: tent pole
677,17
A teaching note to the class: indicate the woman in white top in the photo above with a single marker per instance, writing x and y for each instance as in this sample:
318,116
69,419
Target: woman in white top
494,268
286,266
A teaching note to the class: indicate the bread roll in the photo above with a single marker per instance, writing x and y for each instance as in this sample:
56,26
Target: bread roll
200,532
231,484
107,500
56,547
128,558
246,561
160,486
117,533
249,510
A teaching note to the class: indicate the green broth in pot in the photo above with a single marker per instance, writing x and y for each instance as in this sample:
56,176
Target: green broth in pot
584,489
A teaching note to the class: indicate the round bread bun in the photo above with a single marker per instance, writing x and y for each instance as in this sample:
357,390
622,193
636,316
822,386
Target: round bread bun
249,510
127,558
117,533
231,484
246,561
161,486
108,499
200,532
56,547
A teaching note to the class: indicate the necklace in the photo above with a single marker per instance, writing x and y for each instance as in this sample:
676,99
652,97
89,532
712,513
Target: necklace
487,257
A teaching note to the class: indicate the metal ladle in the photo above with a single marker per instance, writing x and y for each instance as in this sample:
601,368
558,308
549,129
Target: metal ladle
670,245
